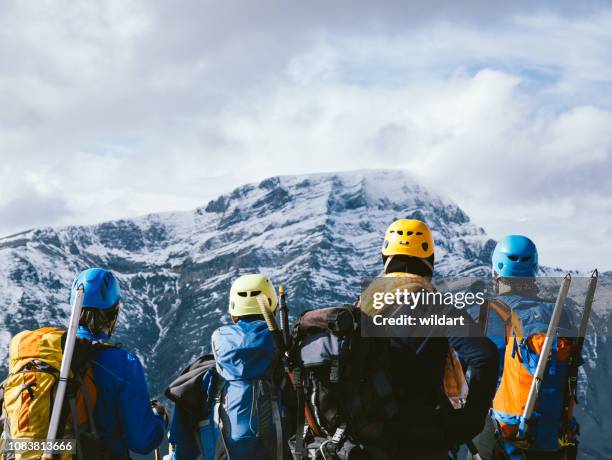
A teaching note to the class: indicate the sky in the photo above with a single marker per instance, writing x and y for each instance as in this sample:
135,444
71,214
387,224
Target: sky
113,109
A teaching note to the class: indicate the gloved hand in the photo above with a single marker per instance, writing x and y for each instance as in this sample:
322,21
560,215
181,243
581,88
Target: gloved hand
159,409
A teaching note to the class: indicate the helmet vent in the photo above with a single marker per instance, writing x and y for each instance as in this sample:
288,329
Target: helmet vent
513,258
243,294
425,246
255,293
410,232
419,233
400,232
525,259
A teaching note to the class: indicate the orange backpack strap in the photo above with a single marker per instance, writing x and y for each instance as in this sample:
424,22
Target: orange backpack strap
500,308
83,391
505,313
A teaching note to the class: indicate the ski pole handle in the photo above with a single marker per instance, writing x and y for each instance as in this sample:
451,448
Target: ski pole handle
284,317
58,403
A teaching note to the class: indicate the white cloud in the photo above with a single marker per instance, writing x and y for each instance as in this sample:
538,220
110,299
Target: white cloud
112,109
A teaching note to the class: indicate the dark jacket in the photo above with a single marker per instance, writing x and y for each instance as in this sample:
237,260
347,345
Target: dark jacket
427,423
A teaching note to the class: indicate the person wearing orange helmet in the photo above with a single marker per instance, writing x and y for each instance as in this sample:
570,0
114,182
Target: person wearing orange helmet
427,427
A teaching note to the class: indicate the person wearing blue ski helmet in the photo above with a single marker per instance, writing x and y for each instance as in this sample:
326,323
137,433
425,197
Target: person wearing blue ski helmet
101,301
126,417
515,256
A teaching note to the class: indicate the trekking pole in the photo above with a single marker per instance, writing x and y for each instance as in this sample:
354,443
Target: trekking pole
262,301
58,403
546,347
284,318
303,410
584,323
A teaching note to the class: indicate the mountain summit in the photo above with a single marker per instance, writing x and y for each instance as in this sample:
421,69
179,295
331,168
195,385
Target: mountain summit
319,235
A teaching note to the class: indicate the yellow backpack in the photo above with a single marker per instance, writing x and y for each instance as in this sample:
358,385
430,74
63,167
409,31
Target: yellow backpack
29,391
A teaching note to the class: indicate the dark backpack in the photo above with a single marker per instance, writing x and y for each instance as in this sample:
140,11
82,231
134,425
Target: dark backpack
343,382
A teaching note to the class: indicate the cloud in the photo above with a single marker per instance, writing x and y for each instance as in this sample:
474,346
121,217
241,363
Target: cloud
111,109
31,209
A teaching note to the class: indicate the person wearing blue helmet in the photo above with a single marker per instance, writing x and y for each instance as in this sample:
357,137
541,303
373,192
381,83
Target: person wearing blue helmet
514,270
124,415
514,266
515,258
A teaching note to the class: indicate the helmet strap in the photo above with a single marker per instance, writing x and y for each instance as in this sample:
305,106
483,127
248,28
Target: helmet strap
387,262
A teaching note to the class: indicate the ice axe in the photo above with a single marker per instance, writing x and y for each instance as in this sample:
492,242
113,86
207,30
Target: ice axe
546,347
584,324
64,375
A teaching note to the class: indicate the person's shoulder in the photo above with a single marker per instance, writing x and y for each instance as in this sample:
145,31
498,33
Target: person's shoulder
222,331
116,357
241,327
224,328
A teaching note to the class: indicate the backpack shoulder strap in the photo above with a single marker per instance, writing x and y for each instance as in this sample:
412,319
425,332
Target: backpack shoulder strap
220,392
501,306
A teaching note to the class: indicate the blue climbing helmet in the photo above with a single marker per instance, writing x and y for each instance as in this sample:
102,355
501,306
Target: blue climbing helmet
101,289
515,256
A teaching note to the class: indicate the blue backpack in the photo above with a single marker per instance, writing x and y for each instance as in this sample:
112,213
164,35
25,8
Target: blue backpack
243,416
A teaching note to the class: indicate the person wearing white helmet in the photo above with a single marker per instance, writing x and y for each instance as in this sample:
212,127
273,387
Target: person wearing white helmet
242,410
243,303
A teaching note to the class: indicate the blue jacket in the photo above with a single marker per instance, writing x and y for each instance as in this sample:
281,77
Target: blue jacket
123,413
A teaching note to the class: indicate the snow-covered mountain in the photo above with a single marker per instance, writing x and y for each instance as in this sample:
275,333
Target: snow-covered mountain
319,235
